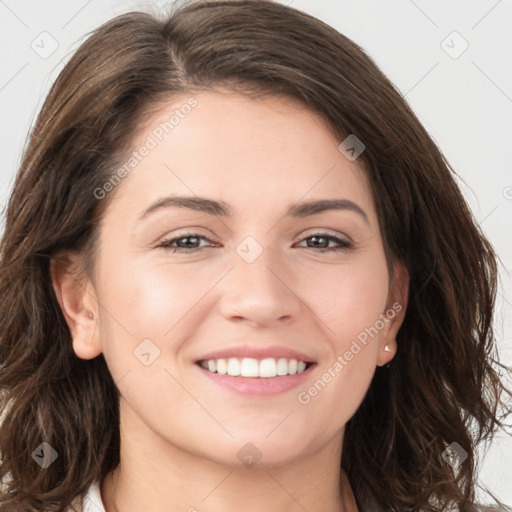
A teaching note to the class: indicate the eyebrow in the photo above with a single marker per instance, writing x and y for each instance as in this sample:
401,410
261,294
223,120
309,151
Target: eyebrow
220,208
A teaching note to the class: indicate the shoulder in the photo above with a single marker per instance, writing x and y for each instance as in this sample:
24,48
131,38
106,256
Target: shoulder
76,505
89,502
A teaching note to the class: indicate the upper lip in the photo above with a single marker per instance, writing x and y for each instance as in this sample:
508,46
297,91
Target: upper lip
272,351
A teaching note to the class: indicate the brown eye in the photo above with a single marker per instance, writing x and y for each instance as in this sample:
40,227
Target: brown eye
321,242
187,243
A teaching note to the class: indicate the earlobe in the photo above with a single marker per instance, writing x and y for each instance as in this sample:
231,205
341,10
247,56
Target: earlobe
387,353
77,300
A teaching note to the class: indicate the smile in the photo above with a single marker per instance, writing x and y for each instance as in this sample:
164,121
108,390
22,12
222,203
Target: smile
250,367
249,376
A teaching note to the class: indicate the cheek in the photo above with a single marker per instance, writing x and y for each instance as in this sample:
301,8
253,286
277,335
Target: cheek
156,301
347,299
350,307
352,300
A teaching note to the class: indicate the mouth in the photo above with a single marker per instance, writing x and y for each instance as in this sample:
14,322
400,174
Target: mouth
249,367
256,377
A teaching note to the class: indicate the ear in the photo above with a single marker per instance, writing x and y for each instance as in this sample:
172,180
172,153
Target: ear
394,314
77,299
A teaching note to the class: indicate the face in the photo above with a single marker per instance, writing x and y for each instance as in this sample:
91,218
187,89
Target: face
250,275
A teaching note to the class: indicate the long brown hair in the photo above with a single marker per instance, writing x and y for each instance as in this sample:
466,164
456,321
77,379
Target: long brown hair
443,384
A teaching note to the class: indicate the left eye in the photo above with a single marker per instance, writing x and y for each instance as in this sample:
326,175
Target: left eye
189,243
343,244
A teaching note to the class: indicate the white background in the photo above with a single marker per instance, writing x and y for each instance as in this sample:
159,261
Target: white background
464,102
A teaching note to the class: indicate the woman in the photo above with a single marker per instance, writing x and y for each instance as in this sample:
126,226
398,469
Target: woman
231,278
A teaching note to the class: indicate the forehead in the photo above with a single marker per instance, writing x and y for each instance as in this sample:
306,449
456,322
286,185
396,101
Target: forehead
243,151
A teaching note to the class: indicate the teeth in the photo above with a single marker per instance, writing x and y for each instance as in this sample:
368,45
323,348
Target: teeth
268,368
249,367
233,367
282,367
222,366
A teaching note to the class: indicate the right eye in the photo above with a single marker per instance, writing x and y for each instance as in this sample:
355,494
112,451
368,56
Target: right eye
192,239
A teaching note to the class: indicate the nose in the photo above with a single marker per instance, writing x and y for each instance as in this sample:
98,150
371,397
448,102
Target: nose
260,293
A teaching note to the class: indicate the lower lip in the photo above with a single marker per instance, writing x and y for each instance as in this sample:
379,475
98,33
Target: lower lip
259,386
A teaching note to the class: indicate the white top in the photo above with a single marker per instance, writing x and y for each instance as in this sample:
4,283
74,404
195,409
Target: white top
92,499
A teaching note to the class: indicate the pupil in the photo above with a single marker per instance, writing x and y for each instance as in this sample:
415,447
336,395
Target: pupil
189,238
316,238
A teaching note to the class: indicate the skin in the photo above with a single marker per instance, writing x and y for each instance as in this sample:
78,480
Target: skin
180,434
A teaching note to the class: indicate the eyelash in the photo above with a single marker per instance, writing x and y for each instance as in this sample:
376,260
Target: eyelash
166,244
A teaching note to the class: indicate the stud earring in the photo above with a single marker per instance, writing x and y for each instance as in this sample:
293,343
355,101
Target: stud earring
387,349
